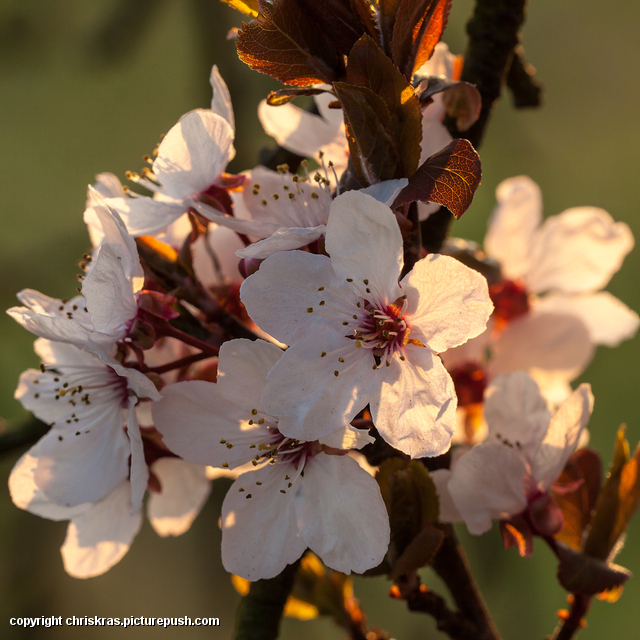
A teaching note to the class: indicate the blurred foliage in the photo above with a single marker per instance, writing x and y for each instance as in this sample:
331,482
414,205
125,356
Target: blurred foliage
87,87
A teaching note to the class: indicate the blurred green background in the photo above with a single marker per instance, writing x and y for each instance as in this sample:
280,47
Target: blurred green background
87,87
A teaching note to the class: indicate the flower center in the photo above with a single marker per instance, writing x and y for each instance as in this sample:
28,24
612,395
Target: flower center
510,299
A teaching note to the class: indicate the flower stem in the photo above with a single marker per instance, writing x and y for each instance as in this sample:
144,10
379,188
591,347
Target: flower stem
260,611
179,364
452,566
569,626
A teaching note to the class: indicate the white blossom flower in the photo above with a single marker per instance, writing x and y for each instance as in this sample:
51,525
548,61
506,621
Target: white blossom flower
104,312
359,337
100,533
187,172
301,494
284,211
88,403
526,450
550,312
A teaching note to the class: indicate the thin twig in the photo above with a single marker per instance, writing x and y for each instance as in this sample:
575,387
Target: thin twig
569,626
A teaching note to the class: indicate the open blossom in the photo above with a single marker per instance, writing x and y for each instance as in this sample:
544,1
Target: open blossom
188,170
550,310
87,452
100,533
108,304
508,477
284,211
359,337
301,494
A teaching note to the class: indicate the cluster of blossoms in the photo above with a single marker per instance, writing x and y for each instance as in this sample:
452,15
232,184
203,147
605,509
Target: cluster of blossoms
260,324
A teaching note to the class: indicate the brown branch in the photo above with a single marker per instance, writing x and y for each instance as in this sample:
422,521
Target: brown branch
526,90
452,566
569,626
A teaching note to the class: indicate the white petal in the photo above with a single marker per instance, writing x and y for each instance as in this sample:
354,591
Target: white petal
449,302
84,461
214,257
99,538
555,344
448,511
562,437
139,473
243,366
109,295
303,387
296,129
185,489
577,251
146,216
513,223
221,100
193,154
515,410
194,416
608,320
472,351
279,294
364,241
413,403
386,191
260,534
341,515
487,484
435,136
282,240
51,328
349,438
26,495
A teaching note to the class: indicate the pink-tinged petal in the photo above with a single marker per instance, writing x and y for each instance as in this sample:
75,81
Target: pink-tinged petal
304,390
51,328
214,257
472,351
282,240
435,136
279,295
448,511
252,228
38,302
221,100
194,416
608,320
136,380
37,391
386,191
114,232
447,301
515,411
193,154
109,295
185,489
108,185
146,216
364,241
260,534
513,224
99,538
84,461
487,484
348,438
296,129
413,403
577,251
26,495
243,366
341,515
63,354
561,440
555,344
139,473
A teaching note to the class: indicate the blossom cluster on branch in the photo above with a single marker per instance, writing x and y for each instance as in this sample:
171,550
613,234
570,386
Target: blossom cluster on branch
271,324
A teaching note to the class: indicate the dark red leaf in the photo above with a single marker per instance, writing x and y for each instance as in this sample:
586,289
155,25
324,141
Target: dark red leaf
462,102
374,151
449,177
365,12
286,44
369,67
